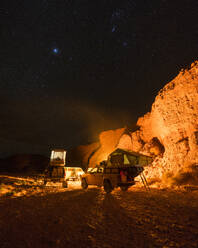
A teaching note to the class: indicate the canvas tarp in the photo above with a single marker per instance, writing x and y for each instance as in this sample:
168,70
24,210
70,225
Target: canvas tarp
123,158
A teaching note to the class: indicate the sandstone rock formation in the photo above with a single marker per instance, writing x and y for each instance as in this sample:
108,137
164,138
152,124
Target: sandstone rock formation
108,142
173,120
169,132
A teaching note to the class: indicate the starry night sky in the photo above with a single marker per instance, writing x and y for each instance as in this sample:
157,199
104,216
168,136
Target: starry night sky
72,68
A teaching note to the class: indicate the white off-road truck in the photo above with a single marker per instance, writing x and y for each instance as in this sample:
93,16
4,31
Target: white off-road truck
58,172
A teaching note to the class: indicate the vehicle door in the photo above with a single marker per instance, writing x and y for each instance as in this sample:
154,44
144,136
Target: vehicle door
91,176
99,176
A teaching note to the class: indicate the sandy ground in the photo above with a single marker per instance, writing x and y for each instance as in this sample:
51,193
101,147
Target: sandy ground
35,216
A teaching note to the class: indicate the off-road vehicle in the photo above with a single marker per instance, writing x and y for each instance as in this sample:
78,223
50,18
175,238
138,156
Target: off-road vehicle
58,172
119,170
55,172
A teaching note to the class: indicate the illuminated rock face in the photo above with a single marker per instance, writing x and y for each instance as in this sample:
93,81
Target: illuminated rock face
174,121
170,130
108,143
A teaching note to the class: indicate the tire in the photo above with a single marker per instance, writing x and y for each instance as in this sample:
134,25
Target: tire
124,188
107,186
64,184
84,184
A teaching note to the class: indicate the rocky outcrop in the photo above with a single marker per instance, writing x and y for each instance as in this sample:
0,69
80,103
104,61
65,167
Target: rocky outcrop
173,120
169,132
108,142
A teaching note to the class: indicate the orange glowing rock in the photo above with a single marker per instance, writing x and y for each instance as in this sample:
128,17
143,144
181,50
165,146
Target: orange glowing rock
108,143
169,131
174,121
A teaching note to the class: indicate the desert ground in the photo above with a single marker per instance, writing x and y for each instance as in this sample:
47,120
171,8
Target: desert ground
32,215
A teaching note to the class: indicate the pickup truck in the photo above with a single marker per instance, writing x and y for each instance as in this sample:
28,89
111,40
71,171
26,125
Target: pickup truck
110,178
119,170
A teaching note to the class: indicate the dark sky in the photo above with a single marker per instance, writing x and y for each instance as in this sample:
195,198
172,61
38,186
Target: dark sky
72,68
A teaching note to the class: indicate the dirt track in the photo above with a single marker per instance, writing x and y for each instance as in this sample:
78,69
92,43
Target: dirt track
91,218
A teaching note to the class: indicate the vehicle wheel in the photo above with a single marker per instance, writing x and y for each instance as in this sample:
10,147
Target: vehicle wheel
107,186
64,184
124,188
84,184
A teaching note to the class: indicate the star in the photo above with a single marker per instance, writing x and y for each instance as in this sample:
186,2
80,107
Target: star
55,50
113,29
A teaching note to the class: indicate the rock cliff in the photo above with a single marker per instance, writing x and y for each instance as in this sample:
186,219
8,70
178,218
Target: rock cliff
169,132
173,120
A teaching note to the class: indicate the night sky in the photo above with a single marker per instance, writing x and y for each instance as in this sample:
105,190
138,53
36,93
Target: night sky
72,68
